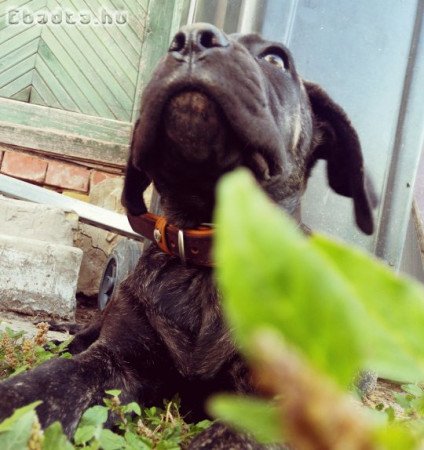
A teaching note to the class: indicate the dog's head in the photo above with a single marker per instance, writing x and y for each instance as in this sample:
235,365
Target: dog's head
217,102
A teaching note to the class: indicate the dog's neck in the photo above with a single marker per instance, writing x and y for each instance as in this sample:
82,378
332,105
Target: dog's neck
192,209
187,187
189,209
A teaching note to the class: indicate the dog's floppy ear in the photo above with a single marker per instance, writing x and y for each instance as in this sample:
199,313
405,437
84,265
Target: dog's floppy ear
337,142
136,182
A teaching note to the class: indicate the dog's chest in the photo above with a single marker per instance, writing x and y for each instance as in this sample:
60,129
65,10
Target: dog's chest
183,306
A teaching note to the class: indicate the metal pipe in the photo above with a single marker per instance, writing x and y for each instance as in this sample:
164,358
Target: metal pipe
408,144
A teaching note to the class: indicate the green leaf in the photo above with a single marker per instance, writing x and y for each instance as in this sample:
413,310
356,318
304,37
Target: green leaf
133,442
14,334
167,445
19,370
84,434
55,439
403,400
16,430
114,392
271,275
111,441
396,437
203,425
8,423
413,389
258,417
395,307
91,424
96,415
136,442
132,407
63,345
152,411
391,415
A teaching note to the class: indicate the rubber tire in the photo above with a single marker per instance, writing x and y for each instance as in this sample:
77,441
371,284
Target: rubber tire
121,262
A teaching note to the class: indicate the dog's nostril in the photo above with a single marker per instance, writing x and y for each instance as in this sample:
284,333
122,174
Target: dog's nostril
209,39
178,43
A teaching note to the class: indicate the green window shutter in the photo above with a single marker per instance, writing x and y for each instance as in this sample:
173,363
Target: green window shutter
95,70
92,69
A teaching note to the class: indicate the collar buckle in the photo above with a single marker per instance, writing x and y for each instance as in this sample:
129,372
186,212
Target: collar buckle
181,247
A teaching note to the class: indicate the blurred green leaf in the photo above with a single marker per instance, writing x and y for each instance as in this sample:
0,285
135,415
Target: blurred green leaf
134,442
8,423
96,415
271,275
91,424
340,308
395,308
114,392
84,434
111,441
396,437
413,389
403,400
16,430
55,439
132,407
260,417
203,425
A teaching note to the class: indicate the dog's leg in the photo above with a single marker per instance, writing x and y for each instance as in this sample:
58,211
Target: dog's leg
117,360
84,338
65,386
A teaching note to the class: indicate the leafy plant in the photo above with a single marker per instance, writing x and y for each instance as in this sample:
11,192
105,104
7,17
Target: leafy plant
309,313
411,400
19,353
135,428
21,430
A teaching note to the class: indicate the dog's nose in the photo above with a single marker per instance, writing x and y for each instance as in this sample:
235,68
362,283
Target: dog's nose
197,39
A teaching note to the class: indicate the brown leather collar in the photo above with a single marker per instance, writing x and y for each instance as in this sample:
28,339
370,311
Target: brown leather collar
191,245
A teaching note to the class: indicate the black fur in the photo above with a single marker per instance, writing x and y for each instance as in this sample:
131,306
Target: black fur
214,103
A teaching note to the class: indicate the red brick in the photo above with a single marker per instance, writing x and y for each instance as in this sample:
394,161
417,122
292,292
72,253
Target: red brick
21,165
97,177
68,176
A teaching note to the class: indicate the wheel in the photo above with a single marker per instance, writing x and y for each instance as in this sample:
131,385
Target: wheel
121,262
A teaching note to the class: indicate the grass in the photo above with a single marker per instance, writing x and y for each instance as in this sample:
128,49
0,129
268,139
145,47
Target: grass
135,427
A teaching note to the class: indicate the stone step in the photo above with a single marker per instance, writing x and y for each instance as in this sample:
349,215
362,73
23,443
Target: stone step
38,277
39,266
34,221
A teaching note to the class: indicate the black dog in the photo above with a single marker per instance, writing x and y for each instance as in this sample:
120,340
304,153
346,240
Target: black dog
214,103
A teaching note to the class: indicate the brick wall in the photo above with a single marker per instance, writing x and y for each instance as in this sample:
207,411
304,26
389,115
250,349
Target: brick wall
61,176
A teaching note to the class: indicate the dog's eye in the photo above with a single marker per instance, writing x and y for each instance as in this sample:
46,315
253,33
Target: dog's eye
275,60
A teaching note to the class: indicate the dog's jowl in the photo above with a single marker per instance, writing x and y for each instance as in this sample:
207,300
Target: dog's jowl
215,102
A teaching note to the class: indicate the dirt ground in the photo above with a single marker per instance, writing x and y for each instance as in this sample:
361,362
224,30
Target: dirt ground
383,394
85,313
86,309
